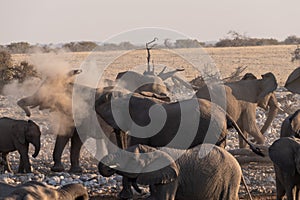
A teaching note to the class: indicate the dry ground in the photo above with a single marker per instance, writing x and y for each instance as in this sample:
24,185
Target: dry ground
259,60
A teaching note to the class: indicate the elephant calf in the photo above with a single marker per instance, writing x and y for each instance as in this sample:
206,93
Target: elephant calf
35,191
16,135
203,172
285,154
291,125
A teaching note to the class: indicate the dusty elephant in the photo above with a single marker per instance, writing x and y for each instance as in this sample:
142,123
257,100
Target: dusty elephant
285,154
36,190
136,82
215,175
16,135
242,98
55,93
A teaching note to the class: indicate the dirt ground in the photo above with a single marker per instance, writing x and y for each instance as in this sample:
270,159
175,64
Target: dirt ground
258,60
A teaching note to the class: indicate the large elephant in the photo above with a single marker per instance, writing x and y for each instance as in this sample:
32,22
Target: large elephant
216,175
187,123
16,135
55,93
36,190
285,154
242,98
182,129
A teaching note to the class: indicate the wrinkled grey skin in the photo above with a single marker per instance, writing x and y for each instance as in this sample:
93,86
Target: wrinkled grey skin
34,190
243,97
16,135
285,154
291,125
215,176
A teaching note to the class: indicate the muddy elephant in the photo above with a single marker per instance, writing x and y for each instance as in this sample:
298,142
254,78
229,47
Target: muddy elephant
285,154
214,175
55,94
242,98
36,190
16,135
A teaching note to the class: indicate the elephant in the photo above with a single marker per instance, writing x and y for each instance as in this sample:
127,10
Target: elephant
37,190
285,155
242,98
55,93
291,125
293,81
211,126
16,135
136,82
207,115
215,175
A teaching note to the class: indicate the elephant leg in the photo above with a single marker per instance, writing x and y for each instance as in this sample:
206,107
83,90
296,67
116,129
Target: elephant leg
249,125
242,143
24,165
76,145
60,143
6,162
126,192
165,191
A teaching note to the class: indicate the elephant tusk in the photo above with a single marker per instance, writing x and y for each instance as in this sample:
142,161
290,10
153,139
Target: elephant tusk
113,166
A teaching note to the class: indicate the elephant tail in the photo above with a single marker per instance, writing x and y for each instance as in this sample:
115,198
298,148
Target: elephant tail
246,187
232,123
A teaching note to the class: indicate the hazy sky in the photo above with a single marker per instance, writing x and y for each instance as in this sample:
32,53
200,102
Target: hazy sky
56,21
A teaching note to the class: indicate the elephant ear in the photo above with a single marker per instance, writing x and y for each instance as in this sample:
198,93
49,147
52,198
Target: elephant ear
295,121
20,130
268,84
293,81
282,154
164,175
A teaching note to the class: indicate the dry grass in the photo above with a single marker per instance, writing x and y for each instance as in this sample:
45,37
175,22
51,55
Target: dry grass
259,60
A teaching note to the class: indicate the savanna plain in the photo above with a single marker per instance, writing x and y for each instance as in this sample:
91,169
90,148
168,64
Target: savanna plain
259,176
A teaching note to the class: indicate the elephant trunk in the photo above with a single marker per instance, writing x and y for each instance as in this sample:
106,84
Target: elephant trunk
105,170
273,110
73,192
37,147
22,104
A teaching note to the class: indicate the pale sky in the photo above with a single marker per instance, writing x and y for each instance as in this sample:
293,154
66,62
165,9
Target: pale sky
56,21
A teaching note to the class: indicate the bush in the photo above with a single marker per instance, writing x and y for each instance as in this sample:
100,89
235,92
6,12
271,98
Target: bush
5,60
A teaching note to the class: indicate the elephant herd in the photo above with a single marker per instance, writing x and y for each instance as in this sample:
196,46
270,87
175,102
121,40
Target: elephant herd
176,148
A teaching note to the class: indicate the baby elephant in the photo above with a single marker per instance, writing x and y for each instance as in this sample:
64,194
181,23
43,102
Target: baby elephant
285,154
291,125
203,172
35,191
16,135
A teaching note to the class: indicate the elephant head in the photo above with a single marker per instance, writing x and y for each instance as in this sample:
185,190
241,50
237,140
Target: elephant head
269,101
54,94
254,90
36,190
285,153
28,132
293,81
147,165
291,125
